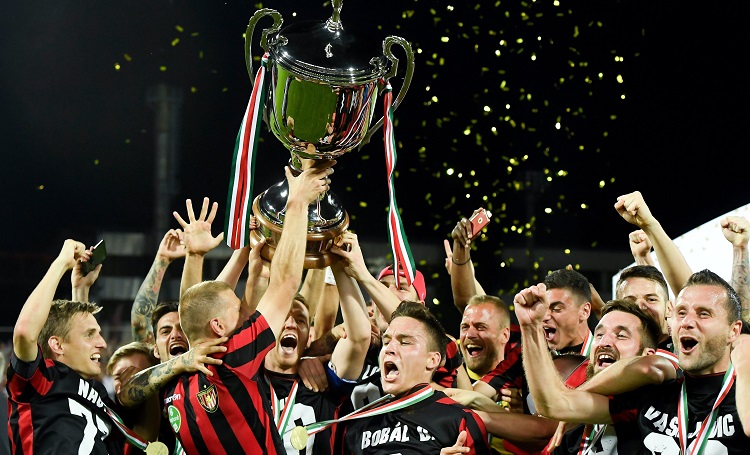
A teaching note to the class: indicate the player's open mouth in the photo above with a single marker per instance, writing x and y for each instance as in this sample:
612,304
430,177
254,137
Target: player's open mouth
177,349
549,333
605,359
96,357
390,371
473,350
288,343
688,344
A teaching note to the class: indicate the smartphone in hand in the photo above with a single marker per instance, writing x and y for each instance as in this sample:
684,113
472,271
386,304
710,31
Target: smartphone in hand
479,221
98,255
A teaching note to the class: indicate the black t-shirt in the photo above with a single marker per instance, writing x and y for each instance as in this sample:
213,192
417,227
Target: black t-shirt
654,410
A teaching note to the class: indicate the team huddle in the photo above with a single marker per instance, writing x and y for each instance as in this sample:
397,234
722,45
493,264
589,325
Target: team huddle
299,362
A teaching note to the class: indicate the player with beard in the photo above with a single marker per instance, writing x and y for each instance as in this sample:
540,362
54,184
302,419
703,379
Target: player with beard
705,410
418,419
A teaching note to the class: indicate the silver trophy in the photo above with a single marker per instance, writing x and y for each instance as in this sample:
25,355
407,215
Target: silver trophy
322,92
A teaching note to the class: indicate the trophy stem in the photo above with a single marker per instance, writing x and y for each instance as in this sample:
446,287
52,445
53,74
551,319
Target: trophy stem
334,23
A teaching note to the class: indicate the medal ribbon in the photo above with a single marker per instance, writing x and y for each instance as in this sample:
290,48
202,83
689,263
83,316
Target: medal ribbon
402,257
589,438
239,199
282,418
587,343
705,429
372,409
130,435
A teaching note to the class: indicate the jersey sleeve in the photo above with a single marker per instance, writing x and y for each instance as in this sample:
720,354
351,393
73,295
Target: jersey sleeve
247,347
476,434
508,373
27,379
447,374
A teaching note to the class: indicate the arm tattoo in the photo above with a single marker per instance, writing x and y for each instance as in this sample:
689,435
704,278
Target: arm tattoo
145,301
148,382
741,279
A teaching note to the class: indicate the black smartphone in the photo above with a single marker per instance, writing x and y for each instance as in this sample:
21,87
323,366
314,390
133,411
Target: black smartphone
98,255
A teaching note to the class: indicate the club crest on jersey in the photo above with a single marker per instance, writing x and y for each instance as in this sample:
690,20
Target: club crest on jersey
209,398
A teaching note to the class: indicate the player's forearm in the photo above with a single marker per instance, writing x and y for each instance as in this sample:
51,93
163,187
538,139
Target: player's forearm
145,300
630,374
381,296
232,270
673,264
532,431
349,354
544,382
81,293
35,311
741,277
286,266
147,383
192,272
463,284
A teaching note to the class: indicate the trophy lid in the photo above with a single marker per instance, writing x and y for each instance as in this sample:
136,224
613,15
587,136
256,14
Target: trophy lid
325,51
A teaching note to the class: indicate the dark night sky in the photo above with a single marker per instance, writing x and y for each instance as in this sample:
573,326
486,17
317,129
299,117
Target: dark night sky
674,127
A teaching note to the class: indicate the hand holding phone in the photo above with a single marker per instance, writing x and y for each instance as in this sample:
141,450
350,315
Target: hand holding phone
98,255
479,221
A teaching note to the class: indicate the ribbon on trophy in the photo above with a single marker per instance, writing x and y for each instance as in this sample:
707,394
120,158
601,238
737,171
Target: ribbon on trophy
239,199
402,257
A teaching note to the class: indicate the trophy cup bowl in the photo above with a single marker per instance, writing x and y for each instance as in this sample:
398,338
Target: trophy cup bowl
322,92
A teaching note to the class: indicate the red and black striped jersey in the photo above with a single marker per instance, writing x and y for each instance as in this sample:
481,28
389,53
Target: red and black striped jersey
53,410
226,413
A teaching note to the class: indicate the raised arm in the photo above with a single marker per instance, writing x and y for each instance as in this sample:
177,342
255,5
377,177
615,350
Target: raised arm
289,256
198,241
463,282
640,247
170,249
551,397
633,209
354,264
82,284
348,356
35,311
630,374
741,363
323,299
736,230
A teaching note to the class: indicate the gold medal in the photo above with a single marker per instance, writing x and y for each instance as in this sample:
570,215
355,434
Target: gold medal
157,448
298,438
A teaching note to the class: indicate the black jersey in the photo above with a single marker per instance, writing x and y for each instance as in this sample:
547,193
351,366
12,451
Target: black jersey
226,413
308,406
53,410
654,409
422,428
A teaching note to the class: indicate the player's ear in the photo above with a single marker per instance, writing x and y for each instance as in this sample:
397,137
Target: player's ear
217,327
433,360
156,352
55,344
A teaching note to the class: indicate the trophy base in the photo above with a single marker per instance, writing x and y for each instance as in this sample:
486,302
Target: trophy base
319,242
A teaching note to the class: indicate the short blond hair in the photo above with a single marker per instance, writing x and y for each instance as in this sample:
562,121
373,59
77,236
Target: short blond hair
200,303
58,323
135,347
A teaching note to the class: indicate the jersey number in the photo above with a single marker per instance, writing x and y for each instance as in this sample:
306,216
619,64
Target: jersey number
91,430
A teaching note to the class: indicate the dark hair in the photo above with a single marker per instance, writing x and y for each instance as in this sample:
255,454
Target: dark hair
436,336
650,330
648,272
571,280
708,278
161,309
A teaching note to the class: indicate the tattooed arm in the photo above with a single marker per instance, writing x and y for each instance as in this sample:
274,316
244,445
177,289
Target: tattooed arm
736,230
148,382
170,249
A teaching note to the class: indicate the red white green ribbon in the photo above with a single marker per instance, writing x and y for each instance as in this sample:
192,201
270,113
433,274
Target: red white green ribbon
587,343
239,199
281,415
371,409
591,434
707,425
402,258
133,438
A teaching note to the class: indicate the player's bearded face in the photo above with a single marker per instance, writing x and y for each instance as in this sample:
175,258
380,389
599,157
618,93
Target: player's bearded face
616,337
700,331
482,337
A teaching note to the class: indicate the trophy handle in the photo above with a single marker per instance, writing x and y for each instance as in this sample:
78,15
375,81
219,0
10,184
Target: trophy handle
277,21
387,43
